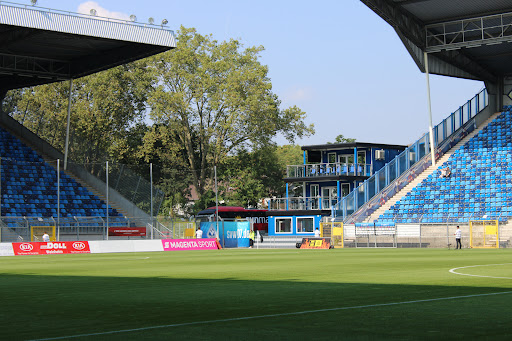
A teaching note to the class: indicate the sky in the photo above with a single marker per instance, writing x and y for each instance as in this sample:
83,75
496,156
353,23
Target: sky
336,60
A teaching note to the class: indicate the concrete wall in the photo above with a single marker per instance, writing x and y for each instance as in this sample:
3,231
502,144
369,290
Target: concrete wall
44,148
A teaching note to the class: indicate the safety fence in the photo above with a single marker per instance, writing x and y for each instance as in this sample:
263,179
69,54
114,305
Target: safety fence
474,234
402,170
353,215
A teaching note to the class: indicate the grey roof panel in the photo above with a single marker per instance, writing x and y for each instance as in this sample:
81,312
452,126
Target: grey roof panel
86,26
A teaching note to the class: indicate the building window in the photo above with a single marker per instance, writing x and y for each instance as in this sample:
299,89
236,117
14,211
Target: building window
305,225
283,225
331,158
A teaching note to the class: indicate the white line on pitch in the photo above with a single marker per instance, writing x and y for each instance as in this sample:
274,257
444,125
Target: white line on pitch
271,315
453,271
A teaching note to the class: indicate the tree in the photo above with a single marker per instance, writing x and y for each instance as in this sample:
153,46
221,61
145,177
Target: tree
342,139
218,98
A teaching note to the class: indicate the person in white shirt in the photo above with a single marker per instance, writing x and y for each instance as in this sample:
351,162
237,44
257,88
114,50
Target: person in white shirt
458,234
199,233
46,237
317,233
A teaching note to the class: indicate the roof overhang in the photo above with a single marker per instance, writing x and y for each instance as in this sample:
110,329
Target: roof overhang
463,38
332,146
40,45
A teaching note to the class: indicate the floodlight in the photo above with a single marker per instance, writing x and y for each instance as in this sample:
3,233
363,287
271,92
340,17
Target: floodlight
93,11
164,22
133,17
151,21
33,2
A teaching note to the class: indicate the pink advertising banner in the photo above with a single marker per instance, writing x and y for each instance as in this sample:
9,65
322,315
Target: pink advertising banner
190,244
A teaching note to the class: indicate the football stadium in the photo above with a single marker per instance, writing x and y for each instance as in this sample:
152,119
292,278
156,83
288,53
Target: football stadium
370,241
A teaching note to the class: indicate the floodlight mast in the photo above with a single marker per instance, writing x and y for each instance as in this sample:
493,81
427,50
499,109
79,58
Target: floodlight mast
430,130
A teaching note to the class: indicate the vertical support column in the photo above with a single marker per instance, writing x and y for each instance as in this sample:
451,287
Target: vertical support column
67,125
217,205
304,157
58,200
151,186
355,160
0,185
287,188
338,185
107,198
431,134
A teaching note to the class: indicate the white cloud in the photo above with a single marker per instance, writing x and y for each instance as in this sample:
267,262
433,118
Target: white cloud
298,94
85,8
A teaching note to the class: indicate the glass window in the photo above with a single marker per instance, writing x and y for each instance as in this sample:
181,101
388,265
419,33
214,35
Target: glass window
331,158
361,157
305,225
283,225
314,190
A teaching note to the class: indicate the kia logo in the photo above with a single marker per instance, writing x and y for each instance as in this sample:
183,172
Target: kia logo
26,247
79,245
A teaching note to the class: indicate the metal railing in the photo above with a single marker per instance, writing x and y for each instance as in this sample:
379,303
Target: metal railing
408,158
301,203
328,169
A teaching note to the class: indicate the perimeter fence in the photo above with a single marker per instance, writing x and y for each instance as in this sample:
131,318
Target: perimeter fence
418,236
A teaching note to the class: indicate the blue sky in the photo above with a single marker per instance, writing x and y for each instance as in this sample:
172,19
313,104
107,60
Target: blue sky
336,60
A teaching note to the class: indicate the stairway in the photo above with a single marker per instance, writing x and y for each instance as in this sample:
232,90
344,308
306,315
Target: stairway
387,205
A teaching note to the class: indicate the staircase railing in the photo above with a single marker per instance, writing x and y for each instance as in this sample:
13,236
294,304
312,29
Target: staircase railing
394,170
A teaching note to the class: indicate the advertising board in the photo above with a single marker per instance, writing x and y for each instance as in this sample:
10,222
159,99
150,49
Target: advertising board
41,248
315,243
190,244
127,231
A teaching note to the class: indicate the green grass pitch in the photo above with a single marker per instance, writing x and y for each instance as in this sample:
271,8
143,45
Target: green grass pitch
258,295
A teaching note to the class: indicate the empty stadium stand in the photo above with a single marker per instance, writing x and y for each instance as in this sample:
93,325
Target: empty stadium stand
29,186
479,185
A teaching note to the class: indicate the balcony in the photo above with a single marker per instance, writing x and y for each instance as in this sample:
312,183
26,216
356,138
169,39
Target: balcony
301,203
320,170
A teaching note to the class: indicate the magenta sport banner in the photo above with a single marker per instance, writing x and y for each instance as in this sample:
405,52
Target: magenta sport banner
190,244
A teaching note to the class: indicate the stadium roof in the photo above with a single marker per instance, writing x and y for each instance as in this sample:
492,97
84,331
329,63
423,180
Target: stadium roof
351,145
42,45
464,38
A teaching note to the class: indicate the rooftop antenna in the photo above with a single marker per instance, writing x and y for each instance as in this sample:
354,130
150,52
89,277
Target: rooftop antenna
133,17
164,22
93,12
33,2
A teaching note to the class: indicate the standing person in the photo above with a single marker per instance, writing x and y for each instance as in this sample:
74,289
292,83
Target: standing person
199,233
317,233
458,234
251,238
46,237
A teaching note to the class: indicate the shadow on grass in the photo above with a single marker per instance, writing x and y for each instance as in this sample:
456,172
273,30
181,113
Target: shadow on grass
35,307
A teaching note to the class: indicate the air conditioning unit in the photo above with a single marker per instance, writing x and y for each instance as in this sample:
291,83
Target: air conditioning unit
380,154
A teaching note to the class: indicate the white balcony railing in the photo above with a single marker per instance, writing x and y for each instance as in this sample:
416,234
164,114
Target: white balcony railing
328,169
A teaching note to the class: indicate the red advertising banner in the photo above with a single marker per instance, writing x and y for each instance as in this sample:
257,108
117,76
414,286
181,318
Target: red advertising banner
41,248
190,244
127,231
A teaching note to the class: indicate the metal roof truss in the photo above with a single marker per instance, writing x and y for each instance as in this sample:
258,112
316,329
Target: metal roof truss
469,33
32,66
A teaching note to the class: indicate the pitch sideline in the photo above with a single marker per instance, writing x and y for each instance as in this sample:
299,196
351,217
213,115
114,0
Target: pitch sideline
270,315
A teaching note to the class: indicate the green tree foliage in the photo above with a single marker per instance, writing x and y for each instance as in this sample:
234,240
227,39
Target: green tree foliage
208,100
107,109
342,139
218,97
